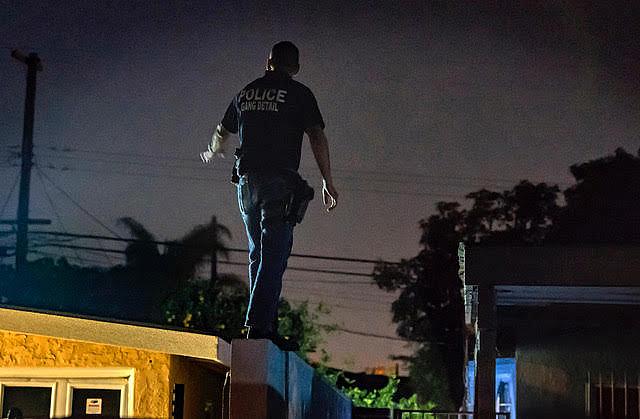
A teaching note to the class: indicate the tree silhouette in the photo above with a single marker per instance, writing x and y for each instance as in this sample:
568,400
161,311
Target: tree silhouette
158,275
602,207
430,307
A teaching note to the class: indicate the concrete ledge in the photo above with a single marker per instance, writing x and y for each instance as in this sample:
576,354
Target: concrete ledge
269,383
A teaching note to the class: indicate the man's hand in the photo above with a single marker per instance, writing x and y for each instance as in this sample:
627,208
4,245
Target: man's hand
206,156
329,195
216,146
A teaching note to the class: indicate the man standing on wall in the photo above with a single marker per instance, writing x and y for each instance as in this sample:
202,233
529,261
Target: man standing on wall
270,116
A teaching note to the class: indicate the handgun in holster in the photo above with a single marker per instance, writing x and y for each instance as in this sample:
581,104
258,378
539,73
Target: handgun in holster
235,176
299,201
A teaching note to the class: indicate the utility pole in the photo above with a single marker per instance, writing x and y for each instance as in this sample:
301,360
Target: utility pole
214,267
33,66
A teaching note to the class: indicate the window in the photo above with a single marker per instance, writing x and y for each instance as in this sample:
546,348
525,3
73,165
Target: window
60,392
32,402
95,402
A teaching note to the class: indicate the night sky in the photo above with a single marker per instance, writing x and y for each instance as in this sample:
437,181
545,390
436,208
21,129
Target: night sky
423,101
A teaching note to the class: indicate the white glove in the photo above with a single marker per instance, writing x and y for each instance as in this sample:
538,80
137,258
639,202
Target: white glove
206,156
216,147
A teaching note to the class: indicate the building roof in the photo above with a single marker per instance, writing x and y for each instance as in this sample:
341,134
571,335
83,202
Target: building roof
560,266
117,333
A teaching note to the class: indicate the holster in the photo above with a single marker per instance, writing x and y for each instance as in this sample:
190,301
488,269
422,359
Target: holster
300,198
235,176
301,194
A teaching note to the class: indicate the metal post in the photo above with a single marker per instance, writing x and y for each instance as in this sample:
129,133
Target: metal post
613,397
626,398
600,395
486,362
588,396
33,66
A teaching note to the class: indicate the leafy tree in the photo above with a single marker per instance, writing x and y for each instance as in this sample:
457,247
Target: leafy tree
221,309
602,207
302,323
157,275
382,398
430,307
218,308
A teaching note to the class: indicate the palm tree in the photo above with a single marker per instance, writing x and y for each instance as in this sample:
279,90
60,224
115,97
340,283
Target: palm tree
159,275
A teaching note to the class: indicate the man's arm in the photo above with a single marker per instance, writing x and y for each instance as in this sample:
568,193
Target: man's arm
320,148
216,146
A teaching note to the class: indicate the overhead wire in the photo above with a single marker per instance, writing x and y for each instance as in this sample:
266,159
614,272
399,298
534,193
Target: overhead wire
365,334
230,249
80,207
201,167
57,255
119,251
386,174
53,206
225,180
331,305
343,297
6,201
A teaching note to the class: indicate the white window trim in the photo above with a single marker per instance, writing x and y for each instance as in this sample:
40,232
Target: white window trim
53,385
97,385
64,379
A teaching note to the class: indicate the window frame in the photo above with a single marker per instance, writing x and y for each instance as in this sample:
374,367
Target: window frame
25,382
97,386
63,380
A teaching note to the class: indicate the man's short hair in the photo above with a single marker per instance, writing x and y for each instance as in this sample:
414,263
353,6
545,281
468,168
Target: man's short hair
285,54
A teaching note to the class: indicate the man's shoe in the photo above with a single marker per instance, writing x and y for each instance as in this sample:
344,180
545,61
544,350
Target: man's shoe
280,341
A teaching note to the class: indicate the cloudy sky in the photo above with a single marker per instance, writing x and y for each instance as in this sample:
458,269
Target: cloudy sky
424,101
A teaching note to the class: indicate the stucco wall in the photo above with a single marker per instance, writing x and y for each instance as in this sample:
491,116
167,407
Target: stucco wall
151,390
203,386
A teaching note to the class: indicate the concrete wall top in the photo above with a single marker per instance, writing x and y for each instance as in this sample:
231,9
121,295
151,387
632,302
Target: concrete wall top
553,265
268,383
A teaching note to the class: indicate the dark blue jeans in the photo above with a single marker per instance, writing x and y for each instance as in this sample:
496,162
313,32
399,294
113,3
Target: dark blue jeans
263,199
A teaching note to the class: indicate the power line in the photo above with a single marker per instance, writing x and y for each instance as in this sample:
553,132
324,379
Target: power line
369,335
117,251
53,207
386,174
138,174
201,167
331,305
346,298
89,248
293,268
330,281
57,255
229,249
203,179
6,202
93,217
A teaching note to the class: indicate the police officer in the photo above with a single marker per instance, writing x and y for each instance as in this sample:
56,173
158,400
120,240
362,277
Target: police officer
270,116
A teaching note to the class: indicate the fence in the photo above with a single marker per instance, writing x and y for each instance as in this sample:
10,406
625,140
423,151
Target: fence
367,413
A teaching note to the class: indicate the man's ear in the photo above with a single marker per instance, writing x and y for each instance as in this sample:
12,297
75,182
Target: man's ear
269,65
296,69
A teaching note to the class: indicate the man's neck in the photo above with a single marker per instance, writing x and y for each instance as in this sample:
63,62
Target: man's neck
278,73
